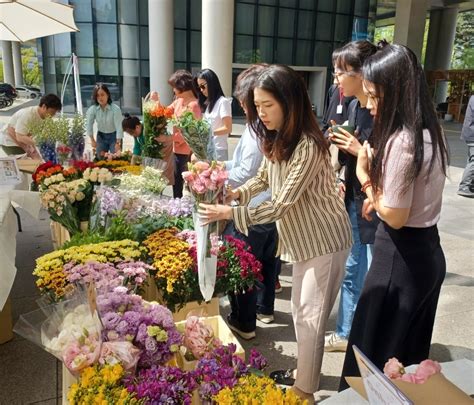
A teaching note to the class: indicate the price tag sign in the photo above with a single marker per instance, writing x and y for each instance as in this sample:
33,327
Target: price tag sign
9,172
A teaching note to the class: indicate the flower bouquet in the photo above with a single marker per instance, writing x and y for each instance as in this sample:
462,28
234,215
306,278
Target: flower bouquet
206,182
70,330
76,140
102,384
199,338
155,121
197,134
46,133
63,153
149,326
52,278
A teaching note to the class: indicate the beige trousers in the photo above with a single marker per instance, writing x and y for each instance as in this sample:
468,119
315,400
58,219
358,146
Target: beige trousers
316,283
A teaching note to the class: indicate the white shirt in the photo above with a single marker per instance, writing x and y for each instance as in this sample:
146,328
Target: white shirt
20,121
222,108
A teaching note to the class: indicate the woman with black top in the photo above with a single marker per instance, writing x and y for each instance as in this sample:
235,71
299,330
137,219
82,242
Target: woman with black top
348,62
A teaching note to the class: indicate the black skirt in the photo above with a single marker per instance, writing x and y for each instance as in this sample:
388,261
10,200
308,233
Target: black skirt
397,306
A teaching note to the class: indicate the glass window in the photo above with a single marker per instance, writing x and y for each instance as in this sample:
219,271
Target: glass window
326,5
284,51
86,66
269,2
107,40
144,43
108,67
243,49
288,3
361,8
286,22
130,68
341,32
180,45
303,53
305,24
195,47
84,41
128,11
49,65
266,20
105,10
344,6
143,6
265,48
145,69
180,14
129,41
307,4
61,65
324,26
62,44
359,28
244,18
196,14
322,54
82,10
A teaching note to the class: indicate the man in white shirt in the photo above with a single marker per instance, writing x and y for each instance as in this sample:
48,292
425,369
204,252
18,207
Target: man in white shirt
16,138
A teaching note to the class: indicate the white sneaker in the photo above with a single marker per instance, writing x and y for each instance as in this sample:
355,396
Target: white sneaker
265,318
334,343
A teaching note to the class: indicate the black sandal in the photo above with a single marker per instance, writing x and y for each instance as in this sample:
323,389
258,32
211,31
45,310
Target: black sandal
283,377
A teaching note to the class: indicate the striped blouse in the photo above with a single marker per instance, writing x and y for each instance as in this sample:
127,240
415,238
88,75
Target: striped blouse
310,216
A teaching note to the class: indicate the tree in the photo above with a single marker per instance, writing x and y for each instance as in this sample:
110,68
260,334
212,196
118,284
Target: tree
463,53
30,66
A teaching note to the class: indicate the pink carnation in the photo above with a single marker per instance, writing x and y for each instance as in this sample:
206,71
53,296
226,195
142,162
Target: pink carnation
393,369
200,165
426,369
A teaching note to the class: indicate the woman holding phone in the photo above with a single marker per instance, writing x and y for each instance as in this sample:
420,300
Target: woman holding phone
403,184
311,220
348,62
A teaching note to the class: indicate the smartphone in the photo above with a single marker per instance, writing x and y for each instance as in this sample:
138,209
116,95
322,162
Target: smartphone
348,128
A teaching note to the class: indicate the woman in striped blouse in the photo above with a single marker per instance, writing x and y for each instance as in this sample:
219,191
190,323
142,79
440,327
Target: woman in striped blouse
314,229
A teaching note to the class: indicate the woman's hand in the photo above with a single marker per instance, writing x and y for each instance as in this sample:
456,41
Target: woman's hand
209,213
345,141
231,195
363,163
367,209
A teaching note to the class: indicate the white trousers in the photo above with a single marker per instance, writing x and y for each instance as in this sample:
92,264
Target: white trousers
316,283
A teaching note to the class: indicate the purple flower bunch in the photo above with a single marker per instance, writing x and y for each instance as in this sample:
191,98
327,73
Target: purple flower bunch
172,206
257,361
109,275
110,200
162,385
150,327
219,369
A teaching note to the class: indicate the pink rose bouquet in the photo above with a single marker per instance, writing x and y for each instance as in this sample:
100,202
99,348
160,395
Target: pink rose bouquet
205,180
199,338
395,371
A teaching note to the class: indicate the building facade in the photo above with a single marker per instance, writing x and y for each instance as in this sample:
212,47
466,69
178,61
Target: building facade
114,45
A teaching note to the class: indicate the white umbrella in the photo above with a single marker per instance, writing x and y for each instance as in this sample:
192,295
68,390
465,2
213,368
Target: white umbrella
22,20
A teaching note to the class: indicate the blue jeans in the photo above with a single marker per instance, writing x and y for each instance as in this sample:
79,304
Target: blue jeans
105,143
357,265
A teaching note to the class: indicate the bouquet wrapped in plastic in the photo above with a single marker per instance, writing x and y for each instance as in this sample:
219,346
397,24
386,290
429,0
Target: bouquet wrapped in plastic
70,330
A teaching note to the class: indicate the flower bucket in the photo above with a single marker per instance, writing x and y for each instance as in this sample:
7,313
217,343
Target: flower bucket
155,163
210,308
60,235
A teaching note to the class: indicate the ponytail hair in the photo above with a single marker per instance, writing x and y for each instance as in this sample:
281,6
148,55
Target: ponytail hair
129,122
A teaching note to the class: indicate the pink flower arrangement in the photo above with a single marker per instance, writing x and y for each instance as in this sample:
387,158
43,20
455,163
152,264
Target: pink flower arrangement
199,338
124,353
205,180
395,371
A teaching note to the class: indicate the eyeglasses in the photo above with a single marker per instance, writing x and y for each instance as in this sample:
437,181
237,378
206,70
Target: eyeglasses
340,73
203,86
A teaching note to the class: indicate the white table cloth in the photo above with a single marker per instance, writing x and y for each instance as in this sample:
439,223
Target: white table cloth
30,202
459,372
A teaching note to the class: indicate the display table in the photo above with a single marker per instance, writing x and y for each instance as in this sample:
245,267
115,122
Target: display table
28,165
8,229
459,372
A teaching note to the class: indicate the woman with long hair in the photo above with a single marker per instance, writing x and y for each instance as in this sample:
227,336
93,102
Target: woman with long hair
312,223
108,118
216,108
348,62
185,100
403,183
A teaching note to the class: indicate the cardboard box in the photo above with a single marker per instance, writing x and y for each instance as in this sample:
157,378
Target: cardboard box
195,308
221,331
68,380
438,390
